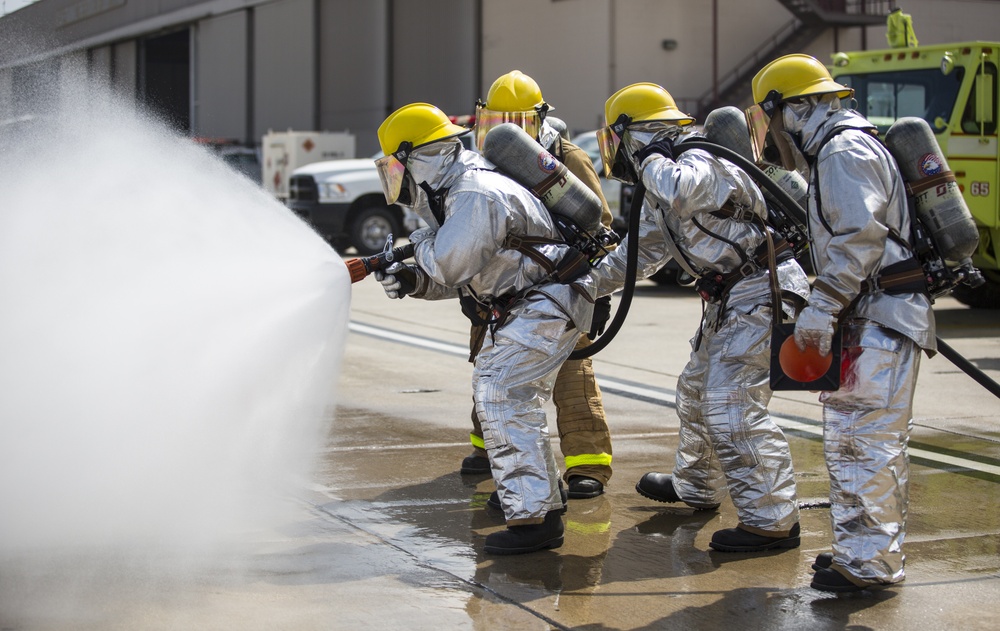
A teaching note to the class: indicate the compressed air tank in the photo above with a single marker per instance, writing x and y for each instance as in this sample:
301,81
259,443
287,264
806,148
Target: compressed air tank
937,198
727,127
519,156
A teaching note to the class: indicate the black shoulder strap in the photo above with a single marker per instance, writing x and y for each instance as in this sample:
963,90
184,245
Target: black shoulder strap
728,211
814,165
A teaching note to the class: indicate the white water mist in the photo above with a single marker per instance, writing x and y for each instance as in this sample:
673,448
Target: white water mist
169,336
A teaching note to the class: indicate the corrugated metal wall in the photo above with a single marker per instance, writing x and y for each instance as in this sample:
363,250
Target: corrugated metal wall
284,63
346,64
221,91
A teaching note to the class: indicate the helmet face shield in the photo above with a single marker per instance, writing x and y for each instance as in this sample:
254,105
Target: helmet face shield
607,143
392,171
758,123
609,140
486,119
759,117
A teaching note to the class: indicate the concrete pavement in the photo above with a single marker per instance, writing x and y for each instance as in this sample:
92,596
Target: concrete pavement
387,534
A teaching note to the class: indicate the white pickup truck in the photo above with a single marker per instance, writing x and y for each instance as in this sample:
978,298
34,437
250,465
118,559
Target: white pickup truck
343,201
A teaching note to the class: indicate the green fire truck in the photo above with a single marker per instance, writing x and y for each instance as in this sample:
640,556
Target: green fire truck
954,88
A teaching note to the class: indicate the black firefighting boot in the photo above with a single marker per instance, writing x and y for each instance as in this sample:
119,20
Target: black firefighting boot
476,463
660,487
742,539
823,561
583,487
529,538
830,580
494,501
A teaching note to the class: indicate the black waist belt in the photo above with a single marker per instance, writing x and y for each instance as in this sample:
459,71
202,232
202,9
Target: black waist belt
782,252
904,277
715,287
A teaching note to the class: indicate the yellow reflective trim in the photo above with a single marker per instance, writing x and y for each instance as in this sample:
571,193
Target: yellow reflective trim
584,528
477,441
595,459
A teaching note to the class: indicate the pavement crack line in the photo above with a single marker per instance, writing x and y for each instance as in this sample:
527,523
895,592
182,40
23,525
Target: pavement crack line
421,563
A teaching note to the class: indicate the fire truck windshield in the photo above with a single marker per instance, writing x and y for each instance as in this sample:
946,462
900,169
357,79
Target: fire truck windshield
883,97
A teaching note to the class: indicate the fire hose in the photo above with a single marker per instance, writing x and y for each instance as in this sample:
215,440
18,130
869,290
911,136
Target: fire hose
359,268
631,268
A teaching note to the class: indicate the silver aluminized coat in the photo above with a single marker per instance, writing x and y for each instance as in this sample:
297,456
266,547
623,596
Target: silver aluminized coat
863,198
517,366
727,438
482,207
867,422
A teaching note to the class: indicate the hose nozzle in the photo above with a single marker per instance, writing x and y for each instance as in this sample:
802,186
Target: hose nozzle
359,268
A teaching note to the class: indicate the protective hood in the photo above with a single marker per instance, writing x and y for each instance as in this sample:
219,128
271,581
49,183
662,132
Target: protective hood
440,165
617,151
431,163
638,135
826,116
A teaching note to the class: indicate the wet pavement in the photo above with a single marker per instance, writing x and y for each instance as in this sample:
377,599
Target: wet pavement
389,535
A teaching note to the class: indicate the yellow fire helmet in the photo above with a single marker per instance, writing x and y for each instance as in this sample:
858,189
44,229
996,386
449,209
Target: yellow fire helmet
788,77
513,98
406,129
637,103
796,75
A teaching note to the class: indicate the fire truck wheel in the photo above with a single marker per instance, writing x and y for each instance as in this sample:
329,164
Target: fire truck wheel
986,296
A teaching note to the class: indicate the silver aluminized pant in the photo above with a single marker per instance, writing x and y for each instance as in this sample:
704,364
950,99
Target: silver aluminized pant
512,380
727,436
866,427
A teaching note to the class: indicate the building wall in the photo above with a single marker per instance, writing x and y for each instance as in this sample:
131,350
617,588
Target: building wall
354,68
221,86
434,56
346,64
563,45
125,68
284,62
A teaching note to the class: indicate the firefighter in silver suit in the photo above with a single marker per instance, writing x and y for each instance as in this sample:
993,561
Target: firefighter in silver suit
475,216
858,226
708,214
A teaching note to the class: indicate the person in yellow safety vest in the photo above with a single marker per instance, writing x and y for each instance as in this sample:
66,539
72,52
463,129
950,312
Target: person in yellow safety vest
584,436
899,30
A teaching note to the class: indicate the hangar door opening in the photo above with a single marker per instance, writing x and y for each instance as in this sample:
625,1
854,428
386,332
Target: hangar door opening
166,77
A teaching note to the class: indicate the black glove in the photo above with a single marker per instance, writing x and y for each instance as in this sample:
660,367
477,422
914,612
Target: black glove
663,147
602,313
398,281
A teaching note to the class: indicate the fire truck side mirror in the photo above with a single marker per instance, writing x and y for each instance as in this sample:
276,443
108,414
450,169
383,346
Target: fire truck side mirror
947,63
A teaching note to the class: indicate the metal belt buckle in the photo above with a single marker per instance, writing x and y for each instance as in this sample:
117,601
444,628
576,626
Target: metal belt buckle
748,268
743,214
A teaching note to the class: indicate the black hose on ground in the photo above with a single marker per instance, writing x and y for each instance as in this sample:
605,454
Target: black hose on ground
966,366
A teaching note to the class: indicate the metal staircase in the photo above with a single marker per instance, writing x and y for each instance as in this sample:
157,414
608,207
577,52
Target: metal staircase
812,18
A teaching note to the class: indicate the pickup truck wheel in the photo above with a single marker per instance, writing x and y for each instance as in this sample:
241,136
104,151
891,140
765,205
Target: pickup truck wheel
371,228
